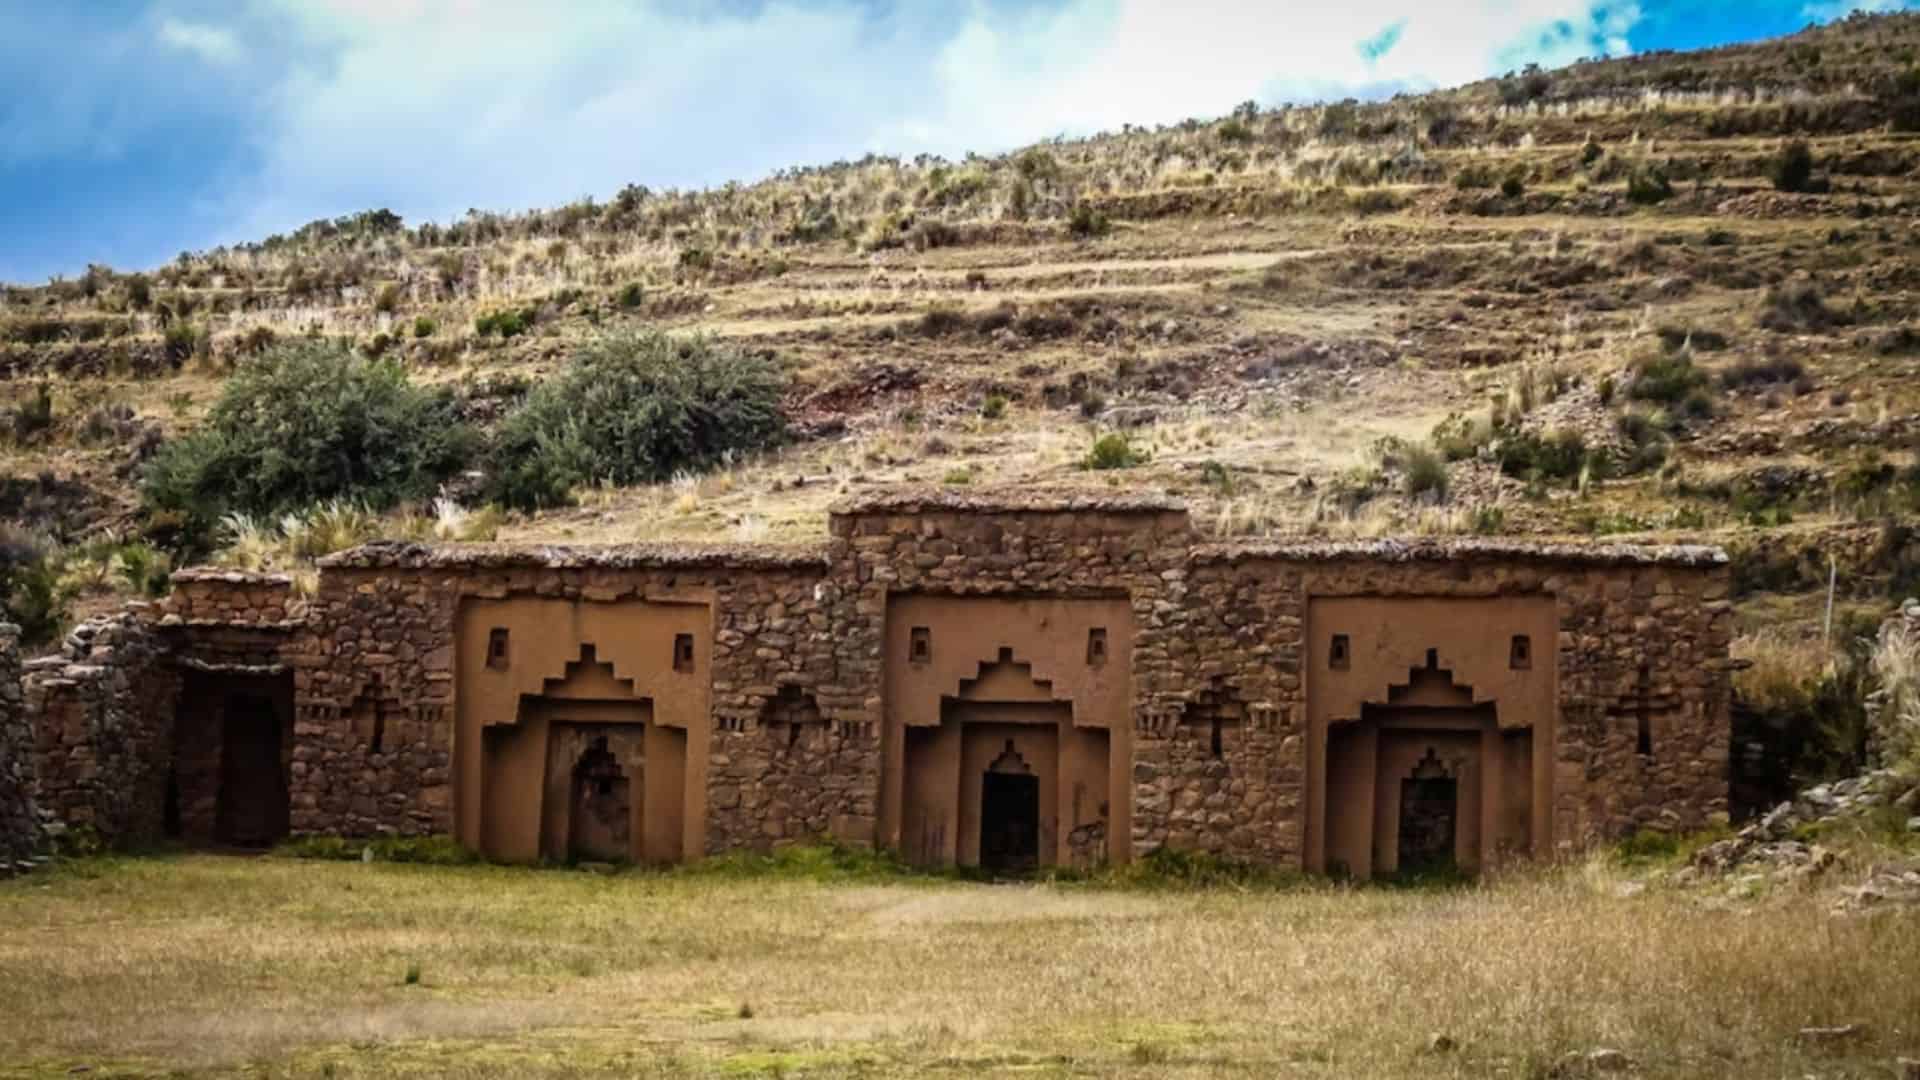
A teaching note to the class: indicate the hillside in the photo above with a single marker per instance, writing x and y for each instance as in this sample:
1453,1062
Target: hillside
1605,299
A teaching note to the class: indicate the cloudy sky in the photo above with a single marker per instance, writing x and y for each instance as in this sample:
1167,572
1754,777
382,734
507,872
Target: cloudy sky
131,130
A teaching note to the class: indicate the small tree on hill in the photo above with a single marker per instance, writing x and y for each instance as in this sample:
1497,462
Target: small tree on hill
634,409
306,422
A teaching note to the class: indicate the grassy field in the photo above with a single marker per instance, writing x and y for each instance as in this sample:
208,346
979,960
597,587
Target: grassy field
237,966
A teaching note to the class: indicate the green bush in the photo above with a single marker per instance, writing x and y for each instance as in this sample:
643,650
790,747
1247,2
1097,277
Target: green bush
506,324
305,423
1514,185
1423,471
30,593
1528,456
1648,184
1473,177
994,407
424,327
1668,377
1113,451
1087,222
1792,168
634,409
632,295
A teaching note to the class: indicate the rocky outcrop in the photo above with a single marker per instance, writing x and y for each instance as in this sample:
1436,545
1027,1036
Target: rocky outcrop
1782,846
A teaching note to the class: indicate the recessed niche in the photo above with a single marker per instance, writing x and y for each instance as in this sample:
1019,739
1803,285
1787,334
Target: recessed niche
920,645
1339,653
1097,646
683,652
1520,653
497,648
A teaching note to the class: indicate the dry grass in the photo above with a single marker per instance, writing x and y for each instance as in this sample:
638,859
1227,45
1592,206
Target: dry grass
1784,664
231,965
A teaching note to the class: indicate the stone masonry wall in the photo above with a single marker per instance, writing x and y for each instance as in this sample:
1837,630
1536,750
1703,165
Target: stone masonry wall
391,609
1641,630
102,717
1216,713
20,835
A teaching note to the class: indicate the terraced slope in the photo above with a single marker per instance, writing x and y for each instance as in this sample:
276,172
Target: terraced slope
1583,294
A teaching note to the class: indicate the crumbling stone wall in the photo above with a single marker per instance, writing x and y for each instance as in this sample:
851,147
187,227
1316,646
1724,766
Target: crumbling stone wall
20,834
102,712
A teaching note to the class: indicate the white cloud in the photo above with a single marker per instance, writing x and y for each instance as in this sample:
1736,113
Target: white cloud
214,44
434,106
1146,62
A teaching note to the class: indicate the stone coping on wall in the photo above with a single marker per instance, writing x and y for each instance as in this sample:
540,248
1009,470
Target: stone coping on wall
1432,549
394,555
220,575
914,499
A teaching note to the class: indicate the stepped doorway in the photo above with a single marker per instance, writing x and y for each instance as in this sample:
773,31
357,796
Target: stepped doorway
1009,815
1429,814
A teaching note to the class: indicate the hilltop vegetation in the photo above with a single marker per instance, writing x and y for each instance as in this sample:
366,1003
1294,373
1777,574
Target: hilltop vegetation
1672,295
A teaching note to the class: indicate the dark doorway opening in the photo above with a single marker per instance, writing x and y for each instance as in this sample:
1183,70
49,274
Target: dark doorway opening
170,824
1429,805
1009,822
601,821
253,808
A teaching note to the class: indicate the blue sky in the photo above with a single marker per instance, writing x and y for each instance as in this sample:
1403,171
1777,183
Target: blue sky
131,130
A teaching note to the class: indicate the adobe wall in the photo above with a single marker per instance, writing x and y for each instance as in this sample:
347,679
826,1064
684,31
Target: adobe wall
20,834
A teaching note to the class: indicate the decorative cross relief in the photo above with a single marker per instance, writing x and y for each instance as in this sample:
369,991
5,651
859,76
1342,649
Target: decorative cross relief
1643,704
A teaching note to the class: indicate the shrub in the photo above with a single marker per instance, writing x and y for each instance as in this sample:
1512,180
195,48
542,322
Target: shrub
1113,451
1797,306
1234,130
1087,222
632,295
994,407
1762,371
507,324
30,593
305,423
1514,185
1792,168
1529,456
388,299
1423,471
1472,177
32,416
1648,184
1667,377
636,408
1459,437
424,327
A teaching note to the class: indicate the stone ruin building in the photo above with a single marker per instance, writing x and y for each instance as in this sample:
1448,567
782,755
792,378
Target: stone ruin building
998,680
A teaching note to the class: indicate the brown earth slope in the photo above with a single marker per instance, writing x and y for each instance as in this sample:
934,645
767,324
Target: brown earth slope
1277,309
